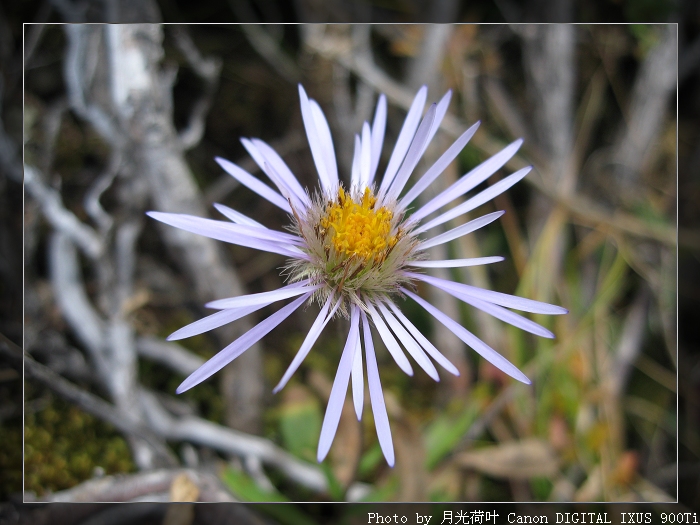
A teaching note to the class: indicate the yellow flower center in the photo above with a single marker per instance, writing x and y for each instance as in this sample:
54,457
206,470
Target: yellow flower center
357,228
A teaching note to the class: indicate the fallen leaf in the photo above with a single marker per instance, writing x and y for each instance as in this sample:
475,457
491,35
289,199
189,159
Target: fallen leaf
513,460
183,489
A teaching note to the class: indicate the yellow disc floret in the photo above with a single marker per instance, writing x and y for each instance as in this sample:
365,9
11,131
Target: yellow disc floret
357,229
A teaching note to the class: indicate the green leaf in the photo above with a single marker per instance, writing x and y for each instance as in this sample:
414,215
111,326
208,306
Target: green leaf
300,423
370,460
247,490
334,487
448,430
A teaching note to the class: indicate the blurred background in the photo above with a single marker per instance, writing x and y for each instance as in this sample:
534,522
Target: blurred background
119,120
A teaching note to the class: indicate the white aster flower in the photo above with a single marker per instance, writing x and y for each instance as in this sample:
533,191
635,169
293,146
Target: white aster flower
355,250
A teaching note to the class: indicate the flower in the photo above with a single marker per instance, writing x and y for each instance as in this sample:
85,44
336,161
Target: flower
354,249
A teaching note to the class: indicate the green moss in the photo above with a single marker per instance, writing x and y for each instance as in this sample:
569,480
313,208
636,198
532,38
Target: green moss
10,460
63,446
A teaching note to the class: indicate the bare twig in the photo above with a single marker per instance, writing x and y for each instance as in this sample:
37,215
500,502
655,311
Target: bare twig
91,203
171,355
591,214
429,60
84,45
61,218
143,486
73,300
504,107
630,344
52,348
208,69
265,44
654,83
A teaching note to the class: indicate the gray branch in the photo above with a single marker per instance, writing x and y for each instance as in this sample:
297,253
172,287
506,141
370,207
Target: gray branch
629,345
62,219
71,297
549,63
208,69
154,485
652,87
171,355
84,45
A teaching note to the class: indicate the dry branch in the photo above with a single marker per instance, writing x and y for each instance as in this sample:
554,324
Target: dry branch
653,85
208,69
169,354
60,218
154,485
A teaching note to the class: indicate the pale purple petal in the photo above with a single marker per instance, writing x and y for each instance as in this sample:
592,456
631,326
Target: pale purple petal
254,184
358,381
502,299
365,156
191,223
472,179
471,340
355,171
339,389
389,341
293,198
324,134
213,321
456,263
273,158
227,232
505,315
299,199
240,345
409,343
376,396
477,200
314,333
501,313
236,216
378,128
423,341
253,228
436,169
314,141
291,290
414,154
260,161
405,137
460,231
440,111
